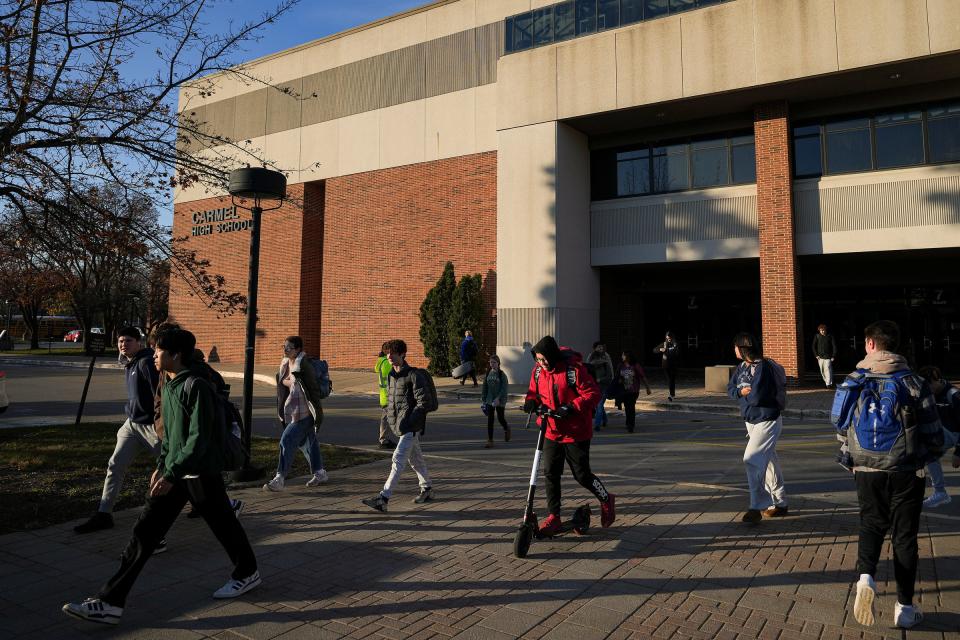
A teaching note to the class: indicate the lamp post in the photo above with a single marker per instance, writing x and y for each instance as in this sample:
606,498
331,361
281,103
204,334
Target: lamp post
257,184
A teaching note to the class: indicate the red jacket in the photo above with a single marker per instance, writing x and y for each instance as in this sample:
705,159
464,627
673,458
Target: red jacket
553,389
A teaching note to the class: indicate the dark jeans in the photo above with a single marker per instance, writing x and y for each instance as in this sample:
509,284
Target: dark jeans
630,408
207,494
500,418
672,380
890,501
577,455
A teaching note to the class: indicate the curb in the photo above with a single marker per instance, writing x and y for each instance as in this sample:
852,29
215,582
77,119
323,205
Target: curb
73,364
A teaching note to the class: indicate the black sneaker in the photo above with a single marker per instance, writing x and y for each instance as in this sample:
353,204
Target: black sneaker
426,495
161,547
100,520
379,502
388,444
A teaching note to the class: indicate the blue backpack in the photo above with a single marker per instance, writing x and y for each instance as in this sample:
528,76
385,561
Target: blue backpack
321,372
876,413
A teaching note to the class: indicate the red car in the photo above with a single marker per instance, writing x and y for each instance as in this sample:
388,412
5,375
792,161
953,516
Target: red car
73,336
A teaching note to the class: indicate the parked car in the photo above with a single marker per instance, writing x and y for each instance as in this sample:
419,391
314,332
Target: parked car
96,330
73,336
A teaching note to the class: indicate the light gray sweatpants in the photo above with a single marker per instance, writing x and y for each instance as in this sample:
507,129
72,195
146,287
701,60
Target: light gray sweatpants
826,370
132,438
408,449
763,466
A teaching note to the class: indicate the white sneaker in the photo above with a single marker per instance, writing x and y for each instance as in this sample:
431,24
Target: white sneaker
863,605
274,485
320,477
235,588
936,499
906,616
94,610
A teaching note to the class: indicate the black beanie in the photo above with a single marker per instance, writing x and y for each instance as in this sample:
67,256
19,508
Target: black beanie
548,348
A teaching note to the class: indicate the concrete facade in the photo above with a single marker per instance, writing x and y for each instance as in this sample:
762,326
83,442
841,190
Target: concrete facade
420,124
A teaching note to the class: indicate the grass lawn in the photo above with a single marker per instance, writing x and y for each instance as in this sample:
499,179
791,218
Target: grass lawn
50,475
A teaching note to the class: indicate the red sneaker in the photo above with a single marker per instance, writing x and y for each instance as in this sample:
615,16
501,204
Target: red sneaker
550,526
608,511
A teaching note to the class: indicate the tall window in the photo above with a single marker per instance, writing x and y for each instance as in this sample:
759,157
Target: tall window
633,172
848,146
671,168
743,160
655,8
543,26
807,160
631,11
586,16
710,163
608,14
564,21
943,130
899,139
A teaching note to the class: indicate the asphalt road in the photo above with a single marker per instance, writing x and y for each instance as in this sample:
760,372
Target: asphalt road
666,447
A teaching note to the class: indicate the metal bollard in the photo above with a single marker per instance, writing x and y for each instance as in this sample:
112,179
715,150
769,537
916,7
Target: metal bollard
4,400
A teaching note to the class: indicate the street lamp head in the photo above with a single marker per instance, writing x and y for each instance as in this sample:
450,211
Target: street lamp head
258,184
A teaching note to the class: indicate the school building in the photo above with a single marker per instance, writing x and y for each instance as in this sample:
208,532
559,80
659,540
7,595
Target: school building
612,169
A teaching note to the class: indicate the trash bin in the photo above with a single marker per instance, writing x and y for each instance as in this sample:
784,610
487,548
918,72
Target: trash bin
715,378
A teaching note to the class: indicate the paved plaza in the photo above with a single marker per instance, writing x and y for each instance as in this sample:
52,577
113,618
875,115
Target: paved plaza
678,563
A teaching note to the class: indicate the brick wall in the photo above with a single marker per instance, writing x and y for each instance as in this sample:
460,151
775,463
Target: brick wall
291,243
779,275
387,235
346,262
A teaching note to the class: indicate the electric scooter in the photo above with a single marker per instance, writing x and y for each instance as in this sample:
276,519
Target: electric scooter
526,532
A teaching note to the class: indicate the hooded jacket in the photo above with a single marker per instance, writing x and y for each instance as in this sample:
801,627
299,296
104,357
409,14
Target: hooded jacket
923,442
142,379
552,388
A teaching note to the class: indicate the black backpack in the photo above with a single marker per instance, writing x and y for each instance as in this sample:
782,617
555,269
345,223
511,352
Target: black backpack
229,425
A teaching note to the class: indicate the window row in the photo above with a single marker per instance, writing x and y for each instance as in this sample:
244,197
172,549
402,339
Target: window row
574,18
673,167
885,141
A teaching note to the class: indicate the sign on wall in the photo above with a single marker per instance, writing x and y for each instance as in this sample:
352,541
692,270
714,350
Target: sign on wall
225,220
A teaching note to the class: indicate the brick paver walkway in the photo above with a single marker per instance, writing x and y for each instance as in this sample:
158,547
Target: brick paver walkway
676,564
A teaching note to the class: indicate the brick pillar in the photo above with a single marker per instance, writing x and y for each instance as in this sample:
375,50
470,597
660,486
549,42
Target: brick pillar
779,275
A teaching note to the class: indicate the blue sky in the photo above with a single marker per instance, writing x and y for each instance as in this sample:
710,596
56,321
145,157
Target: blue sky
307,21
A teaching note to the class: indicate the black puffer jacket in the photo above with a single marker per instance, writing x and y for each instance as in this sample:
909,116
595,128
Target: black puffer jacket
406,401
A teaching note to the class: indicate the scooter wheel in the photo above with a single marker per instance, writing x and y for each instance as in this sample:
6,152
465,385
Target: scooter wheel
522,540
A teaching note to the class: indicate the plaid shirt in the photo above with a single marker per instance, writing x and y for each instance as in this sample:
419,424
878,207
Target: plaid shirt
295,409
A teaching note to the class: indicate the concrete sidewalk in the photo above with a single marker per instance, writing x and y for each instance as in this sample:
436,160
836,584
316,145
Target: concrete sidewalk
676,564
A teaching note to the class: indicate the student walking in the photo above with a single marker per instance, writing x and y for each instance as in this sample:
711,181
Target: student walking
189,469
560,382
300,411
630,375
669,352
602,365
759,386
383,368
408,399
947,398
468,353
137,433
890,409
825,350
493,398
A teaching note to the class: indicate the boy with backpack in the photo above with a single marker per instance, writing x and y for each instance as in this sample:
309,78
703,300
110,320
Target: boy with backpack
887,418
411,395
299,392
189,469
560,383
759,385
948,407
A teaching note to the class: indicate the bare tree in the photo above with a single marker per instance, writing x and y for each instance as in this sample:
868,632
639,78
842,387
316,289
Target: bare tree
25,279
72,124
